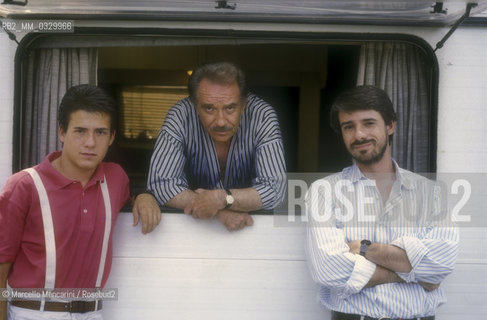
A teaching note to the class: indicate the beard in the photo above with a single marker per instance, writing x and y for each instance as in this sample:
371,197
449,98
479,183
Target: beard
369,158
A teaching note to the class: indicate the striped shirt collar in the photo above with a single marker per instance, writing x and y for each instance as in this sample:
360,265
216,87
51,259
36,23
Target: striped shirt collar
403,177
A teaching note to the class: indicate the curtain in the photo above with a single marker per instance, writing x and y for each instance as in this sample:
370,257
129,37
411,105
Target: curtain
49,73
400,70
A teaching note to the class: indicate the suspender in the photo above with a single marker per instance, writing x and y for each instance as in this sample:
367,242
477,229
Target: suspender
49,230
106,235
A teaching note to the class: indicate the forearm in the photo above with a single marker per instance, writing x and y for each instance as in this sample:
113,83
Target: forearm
204,204
329,262
381,276
389,256
4,270
246,200
181,200
433,257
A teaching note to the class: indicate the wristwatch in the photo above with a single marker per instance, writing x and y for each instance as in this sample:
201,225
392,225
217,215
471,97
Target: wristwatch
229,199
364,245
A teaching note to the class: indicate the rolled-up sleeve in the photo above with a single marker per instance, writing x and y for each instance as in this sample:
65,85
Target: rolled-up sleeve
270,180
433,257
433,252
270,165
329,260
166,172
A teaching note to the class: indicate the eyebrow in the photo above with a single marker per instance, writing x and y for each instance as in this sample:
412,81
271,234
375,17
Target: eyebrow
207,105
84,128
369,119
363,120
233,104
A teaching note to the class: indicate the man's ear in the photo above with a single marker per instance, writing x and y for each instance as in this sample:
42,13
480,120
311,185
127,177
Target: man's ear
112,137
243,103
390,127
61,134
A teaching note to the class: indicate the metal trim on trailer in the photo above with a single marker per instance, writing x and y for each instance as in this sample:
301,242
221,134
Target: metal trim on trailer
382,13
206,17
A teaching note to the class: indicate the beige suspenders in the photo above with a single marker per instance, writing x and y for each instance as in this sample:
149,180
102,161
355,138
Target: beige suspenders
106,235
49,232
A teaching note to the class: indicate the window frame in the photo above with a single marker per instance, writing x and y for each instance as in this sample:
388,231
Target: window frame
308,37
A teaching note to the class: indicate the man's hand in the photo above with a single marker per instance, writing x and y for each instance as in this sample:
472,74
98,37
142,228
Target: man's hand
234,220
146,208
429,286
206,203
381,276
354,246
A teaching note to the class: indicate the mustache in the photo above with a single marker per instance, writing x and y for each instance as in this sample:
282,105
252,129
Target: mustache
221,129
361,142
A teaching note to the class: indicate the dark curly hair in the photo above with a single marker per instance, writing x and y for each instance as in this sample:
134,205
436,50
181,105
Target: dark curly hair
88,98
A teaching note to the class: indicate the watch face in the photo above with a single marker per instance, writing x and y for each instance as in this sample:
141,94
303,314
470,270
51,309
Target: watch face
366,242
229,199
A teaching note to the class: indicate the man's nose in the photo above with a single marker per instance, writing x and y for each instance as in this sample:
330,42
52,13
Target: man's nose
360,133
220,118
90,139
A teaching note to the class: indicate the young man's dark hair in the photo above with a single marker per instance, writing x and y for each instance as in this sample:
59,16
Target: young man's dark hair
362,98
88,98
219,72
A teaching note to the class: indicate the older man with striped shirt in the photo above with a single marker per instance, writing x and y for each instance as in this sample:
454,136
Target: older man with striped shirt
219,153
379,242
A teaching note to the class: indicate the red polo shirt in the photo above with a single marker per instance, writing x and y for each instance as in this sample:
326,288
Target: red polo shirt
78,216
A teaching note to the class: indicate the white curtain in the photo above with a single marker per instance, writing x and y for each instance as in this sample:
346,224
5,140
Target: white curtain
50,72
400,70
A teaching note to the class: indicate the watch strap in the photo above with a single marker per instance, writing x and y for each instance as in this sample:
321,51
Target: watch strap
364,245
229,194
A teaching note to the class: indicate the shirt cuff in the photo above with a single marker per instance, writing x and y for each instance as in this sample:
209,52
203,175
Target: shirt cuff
361,274
267,196
415,250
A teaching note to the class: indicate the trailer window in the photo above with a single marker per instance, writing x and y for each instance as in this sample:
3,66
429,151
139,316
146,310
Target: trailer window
299,78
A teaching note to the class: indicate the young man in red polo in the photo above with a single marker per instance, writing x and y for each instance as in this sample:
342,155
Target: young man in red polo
56,219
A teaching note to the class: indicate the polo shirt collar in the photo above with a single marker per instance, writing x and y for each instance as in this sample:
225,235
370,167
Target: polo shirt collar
98,176
58,180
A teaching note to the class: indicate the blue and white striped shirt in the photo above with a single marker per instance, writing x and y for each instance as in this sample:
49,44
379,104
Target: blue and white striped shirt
413,218
185,157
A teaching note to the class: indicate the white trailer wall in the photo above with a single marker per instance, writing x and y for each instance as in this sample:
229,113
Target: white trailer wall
462,116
